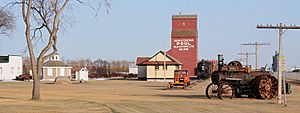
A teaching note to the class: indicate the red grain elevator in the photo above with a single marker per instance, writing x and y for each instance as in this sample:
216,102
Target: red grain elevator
184,41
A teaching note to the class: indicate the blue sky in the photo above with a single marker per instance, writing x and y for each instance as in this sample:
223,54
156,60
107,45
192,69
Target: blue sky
142,27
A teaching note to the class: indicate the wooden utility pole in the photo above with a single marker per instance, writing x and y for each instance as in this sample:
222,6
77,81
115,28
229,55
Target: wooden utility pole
256,44
247,56
280,28
164,68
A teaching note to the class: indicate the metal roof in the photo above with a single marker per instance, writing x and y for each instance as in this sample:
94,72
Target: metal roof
54,64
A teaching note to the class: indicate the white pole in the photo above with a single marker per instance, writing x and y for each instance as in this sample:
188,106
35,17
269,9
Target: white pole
284,89
279,101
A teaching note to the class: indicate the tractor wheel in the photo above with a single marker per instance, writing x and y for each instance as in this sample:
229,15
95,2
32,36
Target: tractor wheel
265,87
238,93
274,88
211,91
226,91
170,85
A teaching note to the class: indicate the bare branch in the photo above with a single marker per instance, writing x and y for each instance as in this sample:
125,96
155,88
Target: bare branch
43,19
38,29
7,21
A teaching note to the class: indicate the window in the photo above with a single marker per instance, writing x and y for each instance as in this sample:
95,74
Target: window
166,67
177,67
50,72
0,70
19,70
12,70
156,67
62,72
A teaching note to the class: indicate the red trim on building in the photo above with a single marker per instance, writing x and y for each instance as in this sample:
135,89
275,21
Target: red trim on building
145,60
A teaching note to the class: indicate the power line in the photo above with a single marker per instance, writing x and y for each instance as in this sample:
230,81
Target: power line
257,45
246,54
281,27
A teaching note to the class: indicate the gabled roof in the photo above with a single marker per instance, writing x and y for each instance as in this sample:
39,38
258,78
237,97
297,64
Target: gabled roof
140,60
184,33
54,64
146,60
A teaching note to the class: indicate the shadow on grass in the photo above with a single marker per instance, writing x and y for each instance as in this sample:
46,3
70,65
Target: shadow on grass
155,86
183,96
7,98
73,82
49,83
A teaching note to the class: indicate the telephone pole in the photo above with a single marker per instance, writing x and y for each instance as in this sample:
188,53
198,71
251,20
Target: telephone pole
280,28
256,44
247,56
164,68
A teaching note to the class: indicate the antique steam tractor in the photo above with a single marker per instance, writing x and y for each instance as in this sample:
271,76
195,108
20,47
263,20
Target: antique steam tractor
233,80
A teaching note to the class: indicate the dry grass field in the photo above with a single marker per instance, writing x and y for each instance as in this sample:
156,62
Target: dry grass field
130,96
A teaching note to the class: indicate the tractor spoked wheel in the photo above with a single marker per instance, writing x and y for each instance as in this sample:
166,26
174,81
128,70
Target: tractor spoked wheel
211,91
267,87
225,91
274,88
264,88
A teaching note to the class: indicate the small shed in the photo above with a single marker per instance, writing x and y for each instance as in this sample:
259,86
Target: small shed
82,74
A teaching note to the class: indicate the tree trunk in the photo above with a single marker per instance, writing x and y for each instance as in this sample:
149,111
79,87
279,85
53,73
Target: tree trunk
36,82
26,13
36,88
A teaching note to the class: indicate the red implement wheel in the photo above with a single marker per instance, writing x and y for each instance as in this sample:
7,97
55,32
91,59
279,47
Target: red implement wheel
211,91
226,91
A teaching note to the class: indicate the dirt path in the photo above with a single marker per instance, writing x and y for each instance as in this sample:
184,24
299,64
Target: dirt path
130,97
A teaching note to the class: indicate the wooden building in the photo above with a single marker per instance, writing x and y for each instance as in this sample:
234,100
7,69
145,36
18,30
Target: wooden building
82,74
54,67
152,68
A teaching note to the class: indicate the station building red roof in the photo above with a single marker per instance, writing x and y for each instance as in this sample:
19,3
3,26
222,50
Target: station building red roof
146,60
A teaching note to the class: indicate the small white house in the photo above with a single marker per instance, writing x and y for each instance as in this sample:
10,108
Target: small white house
133,70
10,67
82,74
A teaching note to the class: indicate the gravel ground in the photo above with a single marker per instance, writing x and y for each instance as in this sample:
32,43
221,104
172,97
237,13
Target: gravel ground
131,96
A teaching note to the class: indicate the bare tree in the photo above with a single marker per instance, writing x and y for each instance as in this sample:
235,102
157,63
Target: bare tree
101,68
43,19
7,21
